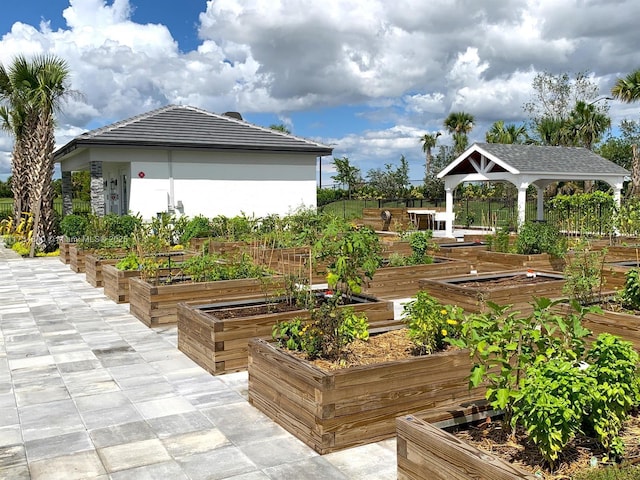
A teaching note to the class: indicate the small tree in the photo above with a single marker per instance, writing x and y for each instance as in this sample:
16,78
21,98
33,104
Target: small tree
346,174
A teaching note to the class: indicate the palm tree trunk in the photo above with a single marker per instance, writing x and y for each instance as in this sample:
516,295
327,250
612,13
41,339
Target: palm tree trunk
42,191
635,172
19,181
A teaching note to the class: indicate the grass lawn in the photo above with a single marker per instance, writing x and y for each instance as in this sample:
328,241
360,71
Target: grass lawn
79,206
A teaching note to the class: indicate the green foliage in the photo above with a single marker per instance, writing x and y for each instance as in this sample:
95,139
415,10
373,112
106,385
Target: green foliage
499,242
209,268
420,243
551,403
630,294
539,371
612,472
196,227
328,332
583,275
324,196
540,237
613,364
577,212
503,343
352,253
130,262
628,218
73,226
429,323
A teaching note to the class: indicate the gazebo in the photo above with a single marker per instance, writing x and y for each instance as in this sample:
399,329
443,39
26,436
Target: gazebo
524,165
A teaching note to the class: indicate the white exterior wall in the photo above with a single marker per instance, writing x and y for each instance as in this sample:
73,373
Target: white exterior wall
196,183
209,184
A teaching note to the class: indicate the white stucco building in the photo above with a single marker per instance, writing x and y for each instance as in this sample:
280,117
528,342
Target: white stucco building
186,160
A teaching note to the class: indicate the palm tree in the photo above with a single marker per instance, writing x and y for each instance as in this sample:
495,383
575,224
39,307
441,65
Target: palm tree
501,133
13,119
628,90
36,89
459,124
553,131
588,124
428,142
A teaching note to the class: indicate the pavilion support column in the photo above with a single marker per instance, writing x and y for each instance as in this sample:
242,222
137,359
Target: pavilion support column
67,194
97,189
539,203
522,203
617,200
449,210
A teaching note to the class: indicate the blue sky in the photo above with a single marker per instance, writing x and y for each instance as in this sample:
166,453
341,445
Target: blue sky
367,77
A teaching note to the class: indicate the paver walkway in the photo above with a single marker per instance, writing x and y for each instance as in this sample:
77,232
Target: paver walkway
89,392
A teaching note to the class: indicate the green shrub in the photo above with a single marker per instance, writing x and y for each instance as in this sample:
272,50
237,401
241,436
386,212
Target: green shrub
196,227
73,226
540,237
630,294
429,323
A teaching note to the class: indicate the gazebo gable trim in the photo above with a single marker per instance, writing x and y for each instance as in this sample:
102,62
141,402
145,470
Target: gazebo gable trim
487,163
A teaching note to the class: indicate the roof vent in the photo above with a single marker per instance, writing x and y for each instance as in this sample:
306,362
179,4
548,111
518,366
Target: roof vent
235,115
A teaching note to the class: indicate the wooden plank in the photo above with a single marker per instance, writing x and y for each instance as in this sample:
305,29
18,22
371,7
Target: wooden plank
426,452
283,387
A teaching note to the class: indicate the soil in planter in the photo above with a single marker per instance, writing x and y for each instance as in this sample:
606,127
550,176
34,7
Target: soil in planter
508,281
383,347
490,437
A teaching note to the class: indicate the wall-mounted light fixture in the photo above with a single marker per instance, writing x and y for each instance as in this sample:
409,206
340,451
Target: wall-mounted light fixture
114,182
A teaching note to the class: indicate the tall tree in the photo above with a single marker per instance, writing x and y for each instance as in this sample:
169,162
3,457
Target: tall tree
511,133
390,183
627,89
588,124
37,88
459,124
428,143
346,174
13,119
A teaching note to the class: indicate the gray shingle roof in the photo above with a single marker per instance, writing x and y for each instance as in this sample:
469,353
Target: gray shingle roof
545,159
178,126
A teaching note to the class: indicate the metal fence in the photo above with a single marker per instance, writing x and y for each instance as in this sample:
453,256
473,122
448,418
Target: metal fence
79,207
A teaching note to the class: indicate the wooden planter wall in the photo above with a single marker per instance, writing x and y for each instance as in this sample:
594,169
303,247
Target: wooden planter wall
156,305
197,245
76,258
93,266
402,282
488,261
221,345
474,299
399,219
64,252
116,282
467,252
428,452
354,406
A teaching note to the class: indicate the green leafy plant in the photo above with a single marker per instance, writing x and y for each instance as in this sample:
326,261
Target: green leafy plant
630,293
421,242
503,343
196,227
429,323
583,274
500,241
540,237
352,254
613,364
130,262
328,332
73,227
551,402
208,268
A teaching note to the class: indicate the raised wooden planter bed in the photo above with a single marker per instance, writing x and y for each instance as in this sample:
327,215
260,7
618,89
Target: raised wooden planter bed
216,246
65,256
156,305
354,406
491,260
76,258
401,282
221,345
116,282
454,290
93,266
428,452
461,250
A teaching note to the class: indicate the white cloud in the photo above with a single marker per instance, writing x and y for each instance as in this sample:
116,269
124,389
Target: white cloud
407,63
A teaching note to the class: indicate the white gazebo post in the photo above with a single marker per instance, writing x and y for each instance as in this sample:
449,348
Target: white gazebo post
522,202
448,189
617,198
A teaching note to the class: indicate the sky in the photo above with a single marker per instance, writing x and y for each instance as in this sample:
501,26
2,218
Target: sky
367,77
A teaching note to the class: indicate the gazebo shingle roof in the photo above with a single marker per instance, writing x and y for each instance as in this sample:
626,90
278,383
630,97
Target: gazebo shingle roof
548,159
178,126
